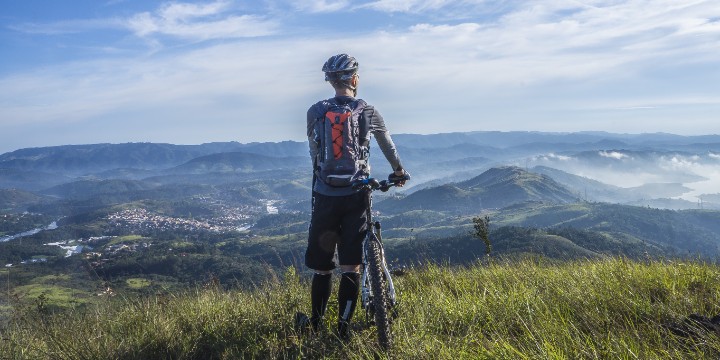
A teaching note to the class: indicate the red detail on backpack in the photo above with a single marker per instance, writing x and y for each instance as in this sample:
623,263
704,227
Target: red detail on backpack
337,120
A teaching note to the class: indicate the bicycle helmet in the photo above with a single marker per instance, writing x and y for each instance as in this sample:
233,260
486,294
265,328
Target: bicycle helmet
340,67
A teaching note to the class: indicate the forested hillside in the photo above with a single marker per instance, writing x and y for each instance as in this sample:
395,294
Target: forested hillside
80,224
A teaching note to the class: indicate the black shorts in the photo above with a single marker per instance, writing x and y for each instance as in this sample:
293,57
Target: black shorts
336,222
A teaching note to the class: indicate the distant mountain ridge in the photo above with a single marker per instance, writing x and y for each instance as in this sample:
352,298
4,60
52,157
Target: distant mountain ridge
101,157
433,160
238,162
84,159
502,139
37,169
495,188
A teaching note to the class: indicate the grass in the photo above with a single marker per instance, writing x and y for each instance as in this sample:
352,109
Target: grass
51,294
137,283
596,309
51,279
125,238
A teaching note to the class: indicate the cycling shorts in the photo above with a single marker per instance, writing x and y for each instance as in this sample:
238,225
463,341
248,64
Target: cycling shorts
337,222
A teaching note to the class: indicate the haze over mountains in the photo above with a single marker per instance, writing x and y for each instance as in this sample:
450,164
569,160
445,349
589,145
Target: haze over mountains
661,170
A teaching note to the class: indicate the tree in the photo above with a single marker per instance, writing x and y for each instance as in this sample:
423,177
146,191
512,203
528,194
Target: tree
481,230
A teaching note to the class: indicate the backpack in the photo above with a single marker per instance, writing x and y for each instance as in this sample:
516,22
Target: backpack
342,135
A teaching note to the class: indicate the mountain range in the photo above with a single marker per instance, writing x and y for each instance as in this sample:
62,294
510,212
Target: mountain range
593,165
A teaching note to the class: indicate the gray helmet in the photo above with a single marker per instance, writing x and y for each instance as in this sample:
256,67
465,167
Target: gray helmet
340,67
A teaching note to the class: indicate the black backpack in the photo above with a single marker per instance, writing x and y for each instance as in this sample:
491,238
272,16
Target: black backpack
342,135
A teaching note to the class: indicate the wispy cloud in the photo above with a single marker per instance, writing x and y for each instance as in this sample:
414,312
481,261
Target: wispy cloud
193,21
321,6
215,20
68,26
408,5
503,72
612,154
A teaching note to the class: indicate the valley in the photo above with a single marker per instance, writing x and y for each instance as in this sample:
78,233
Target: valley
146,218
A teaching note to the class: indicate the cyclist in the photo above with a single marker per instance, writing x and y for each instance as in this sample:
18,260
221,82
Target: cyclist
338,218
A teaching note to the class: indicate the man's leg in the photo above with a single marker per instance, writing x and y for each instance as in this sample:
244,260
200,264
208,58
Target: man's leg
323,236
319,296
347,296
354,225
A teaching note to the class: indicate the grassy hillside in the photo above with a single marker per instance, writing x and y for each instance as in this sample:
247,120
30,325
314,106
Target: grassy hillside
596,309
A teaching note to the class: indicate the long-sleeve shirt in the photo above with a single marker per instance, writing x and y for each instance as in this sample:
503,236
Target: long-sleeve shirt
377,129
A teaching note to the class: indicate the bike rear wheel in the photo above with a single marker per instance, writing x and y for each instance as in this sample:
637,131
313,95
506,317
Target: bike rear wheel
380,296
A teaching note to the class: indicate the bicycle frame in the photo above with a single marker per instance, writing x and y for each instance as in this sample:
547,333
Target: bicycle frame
374,234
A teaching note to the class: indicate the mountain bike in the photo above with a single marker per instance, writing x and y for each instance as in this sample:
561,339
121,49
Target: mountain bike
378,296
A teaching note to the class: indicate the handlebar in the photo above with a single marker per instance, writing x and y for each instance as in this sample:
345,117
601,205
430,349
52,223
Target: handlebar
375,184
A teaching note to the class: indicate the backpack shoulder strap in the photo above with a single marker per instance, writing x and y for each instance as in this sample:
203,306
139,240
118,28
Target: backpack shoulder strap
363,123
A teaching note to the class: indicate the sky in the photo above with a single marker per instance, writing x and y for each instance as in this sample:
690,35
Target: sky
191,72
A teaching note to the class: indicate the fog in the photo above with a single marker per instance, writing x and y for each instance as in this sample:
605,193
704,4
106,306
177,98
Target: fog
699,173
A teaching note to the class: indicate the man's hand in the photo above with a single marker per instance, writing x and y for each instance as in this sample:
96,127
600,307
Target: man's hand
399,177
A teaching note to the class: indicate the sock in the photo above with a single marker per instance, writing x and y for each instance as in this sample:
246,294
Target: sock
347,295
319,296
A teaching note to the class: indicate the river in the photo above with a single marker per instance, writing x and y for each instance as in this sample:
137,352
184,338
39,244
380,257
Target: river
53,225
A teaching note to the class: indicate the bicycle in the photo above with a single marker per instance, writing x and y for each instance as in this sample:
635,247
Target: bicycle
378,296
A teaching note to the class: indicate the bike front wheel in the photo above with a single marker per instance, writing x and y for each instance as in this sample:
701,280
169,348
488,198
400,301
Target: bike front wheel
380,298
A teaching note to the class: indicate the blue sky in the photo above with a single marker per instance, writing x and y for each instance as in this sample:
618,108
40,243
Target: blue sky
76,72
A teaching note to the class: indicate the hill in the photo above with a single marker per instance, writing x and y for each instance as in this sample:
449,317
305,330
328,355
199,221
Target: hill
38,169
494,188
98,158
230,162
30,180
555,231
519,310
86,189
13,199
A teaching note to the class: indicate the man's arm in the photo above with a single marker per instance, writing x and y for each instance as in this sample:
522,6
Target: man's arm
314,146
382,136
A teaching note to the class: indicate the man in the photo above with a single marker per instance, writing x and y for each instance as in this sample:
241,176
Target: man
339,130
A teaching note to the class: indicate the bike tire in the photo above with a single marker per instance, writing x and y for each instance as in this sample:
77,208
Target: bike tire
380,296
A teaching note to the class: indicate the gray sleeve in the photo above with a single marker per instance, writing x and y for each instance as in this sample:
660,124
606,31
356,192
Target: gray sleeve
311,119
382,136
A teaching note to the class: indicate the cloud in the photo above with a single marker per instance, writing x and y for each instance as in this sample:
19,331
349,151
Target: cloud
707,168
215,20
407,5
559,40
612,155
201,22
68,26
321,6
552,157
506,72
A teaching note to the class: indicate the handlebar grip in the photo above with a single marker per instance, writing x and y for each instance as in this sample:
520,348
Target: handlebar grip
371,183
396,179
384,185
357,184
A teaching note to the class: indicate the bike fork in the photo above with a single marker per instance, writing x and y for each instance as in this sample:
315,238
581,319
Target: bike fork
390,285
366,291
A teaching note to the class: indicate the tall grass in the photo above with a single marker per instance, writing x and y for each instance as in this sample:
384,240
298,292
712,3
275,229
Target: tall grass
523,310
